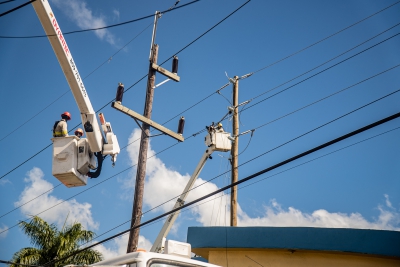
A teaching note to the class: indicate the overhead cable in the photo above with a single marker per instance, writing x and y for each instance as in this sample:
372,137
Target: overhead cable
328,68
70,90
310,151
326,38
260,126
260,180
4,175
4,2
99,28
328,96
281,145
335,57
16,8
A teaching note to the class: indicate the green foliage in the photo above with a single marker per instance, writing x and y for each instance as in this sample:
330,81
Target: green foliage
51,244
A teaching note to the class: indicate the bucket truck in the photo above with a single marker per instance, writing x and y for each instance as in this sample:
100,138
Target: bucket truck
73,158
216,140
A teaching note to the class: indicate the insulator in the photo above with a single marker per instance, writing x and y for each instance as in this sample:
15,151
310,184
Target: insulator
175,65
120,92
181,125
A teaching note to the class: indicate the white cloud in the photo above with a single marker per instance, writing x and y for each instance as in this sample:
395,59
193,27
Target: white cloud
388,203
116,14
275,215
82,15
72,209
4,181
119,244
3,231
163,183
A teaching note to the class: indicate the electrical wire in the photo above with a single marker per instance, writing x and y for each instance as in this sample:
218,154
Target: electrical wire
91,187
260,180
255,71
310,151
287,142
341,54
326,38
260,126
247,185
213,93
16,8
4,2
326,97
69,89
186,109
95,29
134,85
328,68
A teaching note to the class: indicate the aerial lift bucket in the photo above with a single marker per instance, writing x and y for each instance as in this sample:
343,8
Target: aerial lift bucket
71,160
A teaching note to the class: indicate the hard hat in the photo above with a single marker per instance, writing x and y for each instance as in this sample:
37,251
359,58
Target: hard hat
66,113
219,124
79,130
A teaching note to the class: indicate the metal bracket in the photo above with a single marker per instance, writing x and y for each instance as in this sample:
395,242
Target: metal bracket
142,118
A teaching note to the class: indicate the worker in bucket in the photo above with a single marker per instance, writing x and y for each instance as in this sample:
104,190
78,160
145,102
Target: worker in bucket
79,133
60,128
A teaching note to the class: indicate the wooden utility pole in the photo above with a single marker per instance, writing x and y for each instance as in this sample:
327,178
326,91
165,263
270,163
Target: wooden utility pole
142,159
235,150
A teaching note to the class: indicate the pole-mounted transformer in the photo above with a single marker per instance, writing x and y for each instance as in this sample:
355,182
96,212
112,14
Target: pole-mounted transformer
181,125
120,93
175,65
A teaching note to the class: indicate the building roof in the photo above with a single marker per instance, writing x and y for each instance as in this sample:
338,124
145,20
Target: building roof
373,242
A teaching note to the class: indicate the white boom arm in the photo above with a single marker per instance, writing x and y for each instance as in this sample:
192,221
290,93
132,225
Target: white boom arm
216,141
158,244
60,47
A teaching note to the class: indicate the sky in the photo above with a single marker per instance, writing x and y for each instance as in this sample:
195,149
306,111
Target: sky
306,50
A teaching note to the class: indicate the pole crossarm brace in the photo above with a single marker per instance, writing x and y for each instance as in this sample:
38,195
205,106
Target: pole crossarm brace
166,73
142,118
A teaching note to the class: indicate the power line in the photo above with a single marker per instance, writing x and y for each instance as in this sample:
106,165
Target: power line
326,97
334,65
247,185
134,83
326,38
260,126
171,119
254,158
335,57
343,137
3,2
340,149
95,29
285,143
69,89
218,91
16,8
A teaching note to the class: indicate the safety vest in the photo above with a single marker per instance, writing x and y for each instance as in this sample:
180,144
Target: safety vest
60,128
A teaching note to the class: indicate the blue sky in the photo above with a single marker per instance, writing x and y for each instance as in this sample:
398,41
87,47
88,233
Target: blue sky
356,187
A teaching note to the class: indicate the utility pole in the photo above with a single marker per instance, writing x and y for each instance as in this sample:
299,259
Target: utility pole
235,150
142,159
146,124
144,143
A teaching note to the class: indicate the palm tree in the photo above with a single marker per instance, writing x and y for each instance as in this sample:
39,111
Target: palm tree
51,244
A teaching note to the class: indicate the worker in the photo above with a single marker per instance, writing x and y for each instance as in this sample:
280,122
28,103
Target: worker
60,128
219,127
79,133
